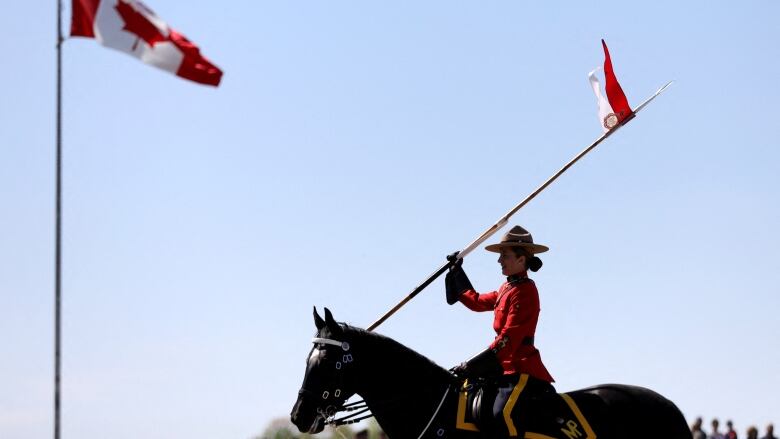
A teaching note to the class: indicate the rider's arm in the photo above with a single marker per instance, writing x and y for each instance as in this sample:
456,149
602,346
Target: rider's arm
479,302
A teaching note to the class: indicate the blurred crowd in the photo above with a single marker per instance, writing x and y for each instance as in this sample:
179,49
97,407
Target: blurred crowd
751,433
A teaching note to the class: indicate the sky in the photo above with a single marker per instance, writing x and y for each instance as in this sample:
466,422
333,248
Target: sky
349,148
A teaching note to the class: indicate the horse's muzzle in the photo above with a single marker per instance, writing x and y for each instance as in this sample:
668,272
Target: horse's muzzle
307,420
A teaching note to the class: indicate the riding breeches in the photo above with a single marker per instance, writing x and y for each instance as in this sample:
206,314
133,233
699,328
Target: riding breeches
513,391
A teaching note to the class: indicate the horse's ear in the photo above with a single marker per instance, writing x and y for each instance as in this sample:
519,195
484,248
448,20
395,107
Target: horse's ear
331,323
318,322
329,320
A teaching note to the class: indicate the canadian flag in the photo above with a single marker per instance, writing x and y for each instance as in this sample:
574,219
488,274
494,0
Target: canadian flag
131,27
613,110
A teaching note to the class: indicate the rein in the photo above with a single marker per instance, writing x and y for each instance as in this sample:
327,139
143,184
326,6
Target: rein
359,407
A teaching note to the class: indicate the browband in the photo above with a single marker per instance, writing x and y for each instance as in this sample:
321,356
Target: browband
343,344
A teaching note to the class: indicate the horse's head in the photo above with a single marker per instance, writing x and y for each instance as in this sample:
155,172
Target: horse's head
326,383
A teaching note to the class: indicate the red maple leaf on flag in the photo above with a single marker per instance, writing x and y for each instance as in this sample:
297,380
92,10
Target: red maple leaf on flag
137,23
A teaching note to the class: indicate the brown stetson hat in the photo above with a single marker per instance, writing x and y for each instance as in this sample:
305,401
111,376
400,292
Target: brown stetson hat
517,237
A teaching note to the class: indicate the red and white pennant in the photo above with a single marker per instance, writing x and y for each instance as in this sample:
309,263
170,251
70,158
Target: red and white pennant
613,110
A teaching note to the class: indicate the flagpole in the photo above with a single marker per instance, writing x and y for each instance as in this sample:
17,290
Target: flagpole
58,234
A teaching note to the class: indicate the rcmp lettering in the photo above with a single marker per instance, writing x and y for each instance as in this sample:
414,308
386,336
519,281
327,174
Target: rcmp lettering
571,430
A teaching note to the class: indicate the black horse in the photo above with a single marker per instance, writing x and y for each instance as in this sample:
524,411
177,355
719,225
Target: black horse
413,398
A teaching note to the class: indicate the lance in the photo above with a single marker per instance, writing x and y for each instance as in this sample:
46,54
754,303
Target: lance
504,219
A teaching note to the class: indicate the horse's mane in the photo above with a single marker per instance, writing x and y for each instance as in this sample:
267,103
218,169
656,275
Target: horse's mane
387,347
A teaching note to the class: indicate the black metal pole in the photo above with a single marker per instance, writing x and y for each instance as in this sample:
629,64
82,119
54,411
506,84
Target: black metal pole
58,235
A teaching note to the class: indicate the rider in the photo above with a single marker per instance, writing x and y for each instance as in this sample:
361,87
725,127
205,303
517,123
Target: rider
511,359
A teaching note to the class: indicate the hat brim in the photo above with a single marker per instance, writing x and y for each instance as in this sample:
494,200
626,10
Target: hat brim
533,248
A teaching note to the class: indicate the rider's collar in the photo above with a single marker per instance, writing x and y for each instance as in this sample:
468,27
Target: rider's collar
517,277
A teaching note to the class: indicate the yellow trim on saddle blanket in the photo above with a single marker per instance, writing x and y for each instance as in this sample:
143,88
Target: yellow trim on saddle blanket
460,419
530,435
510,404
589,434
570,429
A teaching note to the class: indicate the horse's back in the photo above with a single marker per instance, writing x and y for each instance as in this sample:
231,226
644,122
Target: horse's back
619,411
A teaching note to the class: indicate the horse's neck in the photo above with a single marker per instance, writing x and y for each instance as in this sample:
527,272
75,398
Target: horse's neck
401,387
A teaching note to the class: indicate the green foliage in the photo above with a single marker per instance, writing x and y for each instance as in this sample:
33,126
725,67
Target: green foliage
282,428
374,429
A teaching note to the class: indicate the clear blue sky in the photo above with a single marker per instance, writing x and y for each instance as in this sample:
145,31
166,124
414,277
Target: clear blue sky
350,147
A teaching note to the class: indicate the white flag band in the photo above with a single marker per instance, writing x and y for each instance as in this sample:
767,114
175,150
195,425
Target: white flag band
603,105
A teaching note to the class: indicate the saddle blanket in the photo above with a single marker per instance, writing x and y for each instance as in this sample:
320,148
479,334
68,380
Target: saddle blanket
545,416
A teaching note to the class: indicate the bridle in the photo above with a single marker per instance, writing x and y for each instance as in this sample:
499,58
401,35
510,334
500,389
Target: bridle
359,407
332,401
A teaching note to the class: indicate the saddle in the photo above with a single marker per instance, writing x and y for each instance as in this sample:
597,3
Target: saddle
542,416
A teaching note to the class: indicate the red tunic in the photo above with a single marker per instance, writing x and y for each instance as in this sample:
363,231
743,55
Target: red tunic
516,306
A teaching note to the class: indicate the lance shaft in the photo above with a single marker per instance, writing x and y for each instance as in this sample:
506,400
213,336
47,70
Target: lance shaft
504,219
492,229
411,295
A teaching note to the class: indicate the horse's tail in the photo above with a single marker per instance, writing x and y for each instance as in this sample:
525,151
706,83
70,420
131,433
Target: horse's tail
623,411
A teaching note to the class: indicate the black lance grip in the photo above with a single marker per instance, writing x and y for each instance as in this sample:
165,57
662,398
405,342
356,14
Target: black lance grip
411,295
